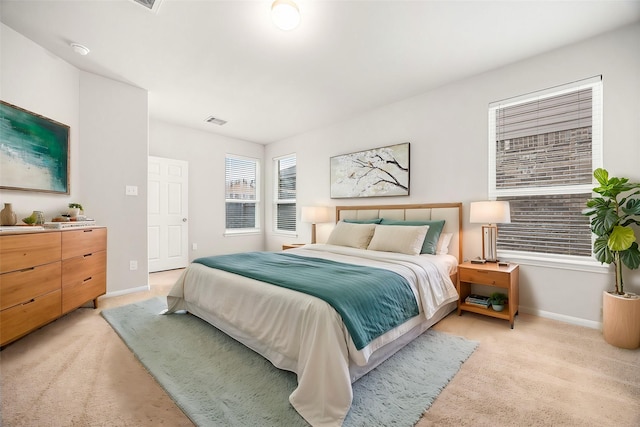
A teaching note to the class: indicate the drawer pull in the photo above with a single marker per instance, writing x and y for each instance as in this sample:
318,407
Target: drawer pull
87,255
29,302
27,269
87,231
86,280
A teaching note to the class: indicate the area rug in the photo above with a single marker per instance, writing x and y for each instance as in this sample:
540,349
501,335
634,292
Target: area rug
217,381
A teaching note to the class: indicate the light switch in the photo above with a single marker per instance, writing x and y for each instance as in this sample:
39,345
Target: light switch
131,190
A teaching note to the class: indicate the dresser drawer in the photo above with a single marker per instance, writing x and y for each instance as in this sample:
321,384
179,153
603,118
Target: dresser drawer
484,277
82,242
20,251
22,319
78,292
21,286
78,269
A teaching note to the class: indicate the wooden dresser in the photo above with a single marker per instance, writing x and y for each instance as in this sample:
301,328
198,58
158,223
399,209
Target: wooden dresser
46,274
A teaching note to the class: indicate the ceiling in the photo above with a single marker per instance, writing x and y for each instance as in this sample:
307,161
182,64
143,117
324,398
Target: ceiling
201,58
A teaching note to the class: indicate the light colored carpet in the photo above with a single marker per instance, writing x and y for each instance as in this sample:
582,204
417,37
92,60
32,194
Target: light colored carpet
219,382
76,371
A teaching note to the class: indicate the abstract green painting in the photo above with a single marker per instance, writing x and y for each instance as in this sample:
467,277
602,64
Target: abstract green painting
34,151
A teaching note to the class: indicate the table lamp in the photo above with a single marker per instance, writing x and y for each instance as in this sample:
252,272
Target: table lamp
314,215
490,213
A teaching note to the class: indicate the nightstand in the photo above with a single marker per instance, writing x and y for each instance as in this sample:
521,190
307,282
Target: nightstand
489,274
292,245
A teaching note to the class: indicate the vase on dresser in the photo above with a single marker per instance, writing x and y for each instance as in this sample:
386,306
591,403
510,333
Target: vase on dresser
7,215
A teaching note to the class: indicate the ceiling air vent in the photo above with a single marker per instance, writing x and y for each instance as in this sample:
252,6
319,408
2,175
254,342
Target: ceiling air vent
152,5
215,121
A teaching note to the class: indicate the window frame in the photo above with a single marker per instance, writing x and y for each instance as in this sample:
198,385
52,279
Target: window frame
573,262
276,198
257,201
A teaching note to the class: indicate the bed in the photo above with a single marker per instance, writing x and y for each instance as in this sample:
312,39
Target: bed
300,331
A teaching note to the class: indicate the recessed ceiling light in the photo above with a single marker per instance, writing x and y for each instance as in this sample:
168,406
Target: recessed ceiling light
80,49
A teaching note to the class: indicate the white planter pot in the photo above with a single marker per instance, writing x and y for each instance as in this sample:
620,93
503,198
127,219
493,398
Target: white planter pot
621,320
74,212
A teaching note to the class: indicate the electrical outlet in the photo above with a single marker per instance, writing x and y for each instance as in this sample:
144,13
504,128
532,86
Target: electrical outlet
194,246
133,265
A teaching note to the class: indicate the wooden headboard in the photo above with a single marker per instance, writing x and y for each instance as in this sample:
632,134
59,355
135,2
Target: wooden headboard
450,212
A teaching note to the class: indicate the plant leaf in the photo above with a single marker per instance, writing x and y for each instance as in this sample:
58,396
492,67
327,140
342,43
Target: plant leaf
621,238
631,257
601,250
632,207
601,175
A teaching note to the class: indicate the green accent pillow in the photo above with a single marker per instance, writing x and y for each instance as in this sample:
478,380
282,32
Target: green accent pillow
431,240
364,221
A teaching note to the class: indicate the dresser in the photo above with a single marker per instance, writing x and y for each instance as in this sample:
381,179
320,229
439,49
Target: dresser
46,274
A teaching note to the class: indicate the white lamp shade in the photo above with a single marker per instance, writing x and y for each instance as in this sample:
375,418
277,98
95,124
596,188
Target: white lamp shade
490,212
285,14
315,214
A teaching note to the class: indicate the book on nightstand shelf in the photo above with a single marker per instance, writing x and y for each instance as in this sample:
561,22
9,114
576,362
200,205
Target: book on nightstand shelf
478,300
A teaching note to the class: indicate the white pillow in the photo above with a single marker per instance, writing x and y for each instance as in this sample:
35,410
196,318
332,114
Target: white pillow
443,243
352,235
404,239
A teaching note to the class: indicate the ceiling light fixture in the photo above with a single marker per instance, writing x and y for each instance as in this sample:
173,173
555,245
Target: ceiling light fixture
285,14
80,49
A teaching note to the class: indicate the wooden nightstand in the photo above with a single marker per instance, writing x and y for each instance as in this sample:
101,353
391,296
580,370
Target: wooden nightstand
489,274
292,245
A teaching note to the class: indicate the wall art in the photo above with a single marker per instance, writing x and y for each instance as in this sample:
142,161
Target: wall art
377,172
34,151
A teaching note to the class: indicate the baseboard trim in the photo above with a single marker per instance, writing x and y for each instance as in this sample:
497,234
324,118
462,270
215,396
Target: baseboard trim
127,291
561,317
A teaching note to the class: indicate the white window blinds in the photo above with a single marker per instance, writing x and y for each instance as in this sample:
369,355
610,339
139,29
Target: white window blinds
285,201
241,193
543,149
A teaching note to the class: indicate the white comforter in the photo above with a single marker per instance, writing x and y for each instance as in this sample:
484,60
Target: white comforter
302,333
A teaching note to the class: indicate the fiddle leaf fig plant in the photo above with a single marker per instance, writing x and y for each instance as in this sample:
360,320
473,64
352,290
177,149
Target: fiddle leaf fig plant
612,215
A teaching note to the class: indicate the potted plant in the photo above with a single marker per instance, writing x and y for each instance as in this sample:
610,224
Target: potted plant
613,215
75,209
497,300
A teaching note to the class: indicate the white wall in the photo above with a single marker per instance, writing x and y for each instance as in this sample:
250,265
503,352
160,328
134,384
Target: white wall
447,128
113,154
108,148
205,153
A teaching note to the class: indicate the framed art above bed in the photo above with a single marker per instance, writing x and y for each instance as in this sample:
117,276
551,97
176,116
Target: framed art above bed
34,151
376,172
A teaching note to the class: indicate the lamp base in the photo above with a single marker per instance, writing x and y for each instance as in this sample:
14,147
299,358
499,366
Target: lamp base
489,237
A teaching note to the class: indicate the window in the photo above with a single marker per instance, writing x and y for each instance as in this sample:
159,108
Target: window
285,200
543,148
242,194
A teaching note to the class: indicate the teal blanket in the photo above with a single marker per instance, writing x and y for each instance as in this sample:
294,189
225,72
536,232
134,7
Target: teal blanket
370,300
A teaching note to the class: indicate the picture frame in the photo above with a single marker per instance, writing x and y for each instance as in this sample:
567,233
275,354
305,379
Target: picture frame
34,151
377,172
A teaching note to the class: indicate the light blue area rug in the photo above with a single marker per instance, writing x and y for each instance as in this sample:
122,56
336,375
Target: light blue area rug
217,381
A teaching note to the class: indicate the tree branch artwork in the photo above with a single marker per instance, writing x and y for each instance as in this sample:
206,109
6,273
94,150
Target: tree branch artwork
372,173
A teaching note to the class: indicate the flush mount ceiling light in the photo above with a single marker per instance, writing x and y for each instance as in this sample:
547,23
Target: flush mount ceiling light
285,14
80,49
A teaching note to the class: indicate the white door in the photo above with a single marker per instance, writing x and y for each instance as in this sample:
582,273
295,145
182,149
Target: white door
167,210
